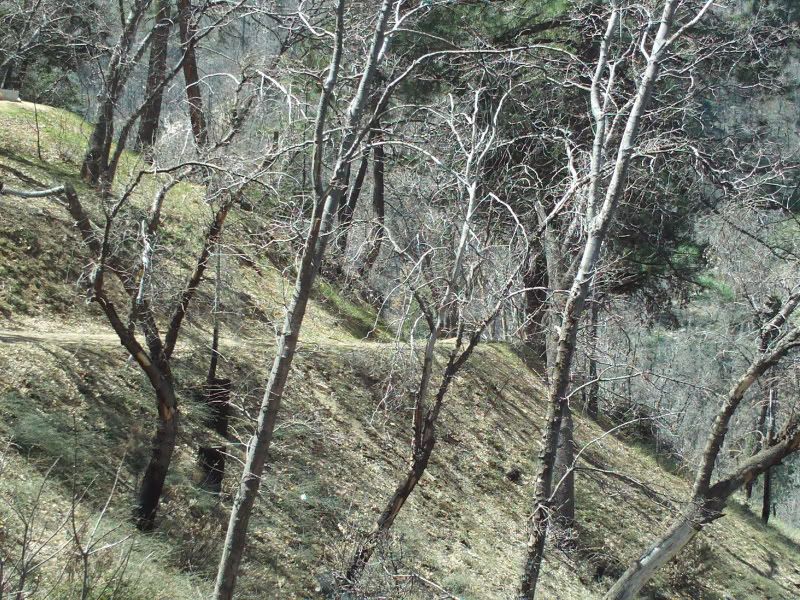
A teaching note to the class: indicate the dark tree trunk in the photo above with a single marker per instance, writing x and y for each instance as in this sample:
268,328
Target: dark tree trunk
8,73
155,474
760,434
536,304
378,207
95,162
766,501
191,74
348,207
154,92
593,393
212,458
564,477
13,75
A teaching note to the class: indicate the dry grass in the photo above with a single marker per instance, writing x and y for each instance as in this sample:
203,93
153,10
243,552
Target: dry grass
340,448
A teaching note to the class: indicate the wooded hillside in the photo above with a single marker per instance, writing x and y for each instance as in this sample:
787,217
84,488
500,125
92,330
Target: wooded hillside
449,299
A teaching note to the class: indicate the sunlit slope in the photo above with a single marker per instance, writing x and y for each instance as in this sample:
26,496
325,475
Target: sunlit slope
68,392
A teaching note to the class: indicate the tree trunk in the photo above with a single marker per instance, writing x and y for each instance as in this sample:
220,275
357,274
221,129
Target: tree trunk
348,208
313,252
378,207
564,476
705,507
536,304
766,501
659,554
191,74
392,509
95,162
163,448
212,458
156,71
760,434
592,400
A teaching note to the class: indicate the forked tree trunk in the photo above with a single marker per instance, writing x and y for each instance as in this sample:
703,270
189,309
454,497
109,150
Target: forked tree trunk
348,208
191,73
708,501
599,221
313,252
156,72
702,510
95,161
659,554
154,361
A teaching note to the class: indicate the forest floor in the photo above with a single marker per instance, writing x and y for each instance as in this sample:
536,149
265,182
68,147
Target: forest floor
76,417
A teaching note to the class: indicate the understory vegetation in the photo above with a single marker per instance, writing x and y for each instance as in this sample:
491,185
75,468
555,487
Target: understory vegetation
399,300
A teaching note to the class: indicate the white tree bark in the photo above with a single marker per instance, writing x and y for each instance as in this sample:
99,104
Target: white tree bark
599,222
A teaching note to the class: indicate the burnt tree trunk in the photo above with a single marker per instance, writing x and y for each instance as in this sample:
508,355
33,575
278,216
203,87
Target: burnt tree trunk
212,458
348,207
163,447
156,72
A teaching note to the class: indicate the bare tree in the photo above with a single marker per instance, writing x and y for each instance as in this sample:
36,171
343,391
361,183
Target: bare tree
327,199
603,197
709,498
447,276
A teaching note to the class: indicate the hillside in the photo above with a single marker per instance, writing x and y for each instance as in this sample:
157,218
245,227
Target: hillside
74,411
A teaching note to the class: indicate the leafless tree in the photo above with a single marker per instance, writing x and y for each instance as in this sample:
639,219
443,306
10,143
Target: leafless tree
446,270
605,185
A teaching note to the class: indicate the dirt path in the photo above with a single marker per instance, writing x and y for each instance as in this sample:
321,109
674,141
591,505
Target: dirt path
58,338
110,340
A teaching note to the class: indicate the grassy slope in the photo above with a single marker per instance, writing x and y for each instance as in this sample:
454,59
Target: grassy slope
338,452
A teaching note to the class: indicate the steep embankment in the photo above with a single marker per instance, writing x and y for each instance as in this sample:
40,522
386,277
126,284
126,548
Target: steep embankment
68,392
